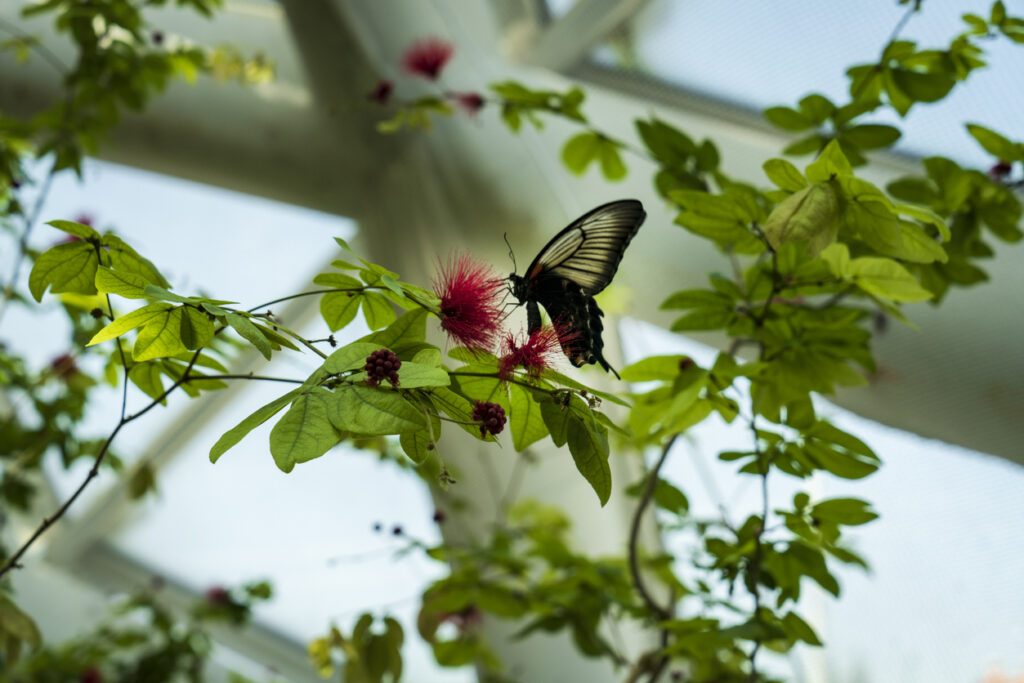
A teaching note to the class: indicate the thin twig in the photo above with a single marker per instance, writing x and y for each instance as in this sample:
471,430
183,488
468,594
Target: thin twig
634,535
47,522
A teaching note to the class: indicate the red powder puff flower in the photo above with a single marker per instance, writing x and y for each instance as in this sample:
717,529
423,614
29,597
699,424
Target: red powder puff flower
427,57
382,92
538,352
469,293
471,102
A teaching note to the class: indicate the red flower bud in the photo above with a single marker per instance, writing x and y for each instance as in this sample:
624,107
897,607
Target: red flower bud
427,58
382,92
217,596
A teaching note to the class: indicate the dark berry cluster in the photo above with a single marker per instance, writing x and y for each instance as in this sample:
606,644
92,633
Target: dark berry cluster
380,365
491,416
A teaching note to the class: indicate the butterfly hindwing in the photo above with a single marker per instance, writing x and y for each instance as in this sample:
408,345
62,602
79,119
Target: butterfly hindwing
577,319
576,264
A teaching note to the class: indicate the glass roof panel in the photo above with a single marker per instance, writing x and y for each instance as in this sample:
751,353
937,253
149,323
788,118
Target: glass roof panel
757,55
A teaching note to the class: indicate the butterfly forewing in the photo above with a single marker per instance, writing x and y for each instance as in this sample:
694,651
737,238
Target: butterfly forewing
588,251
575,265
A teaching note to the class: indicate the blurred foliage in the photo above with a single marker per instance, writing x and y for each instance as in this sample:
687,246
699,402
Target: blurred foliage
818,257
141,639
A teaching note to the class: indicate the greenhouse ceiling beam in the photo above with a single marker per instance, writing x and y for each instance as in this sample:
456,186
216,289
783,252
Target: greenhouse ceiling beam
567,41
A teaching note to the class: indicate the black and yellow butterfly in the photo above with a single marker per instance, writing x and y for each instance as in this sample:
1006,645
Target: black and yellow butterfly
575,265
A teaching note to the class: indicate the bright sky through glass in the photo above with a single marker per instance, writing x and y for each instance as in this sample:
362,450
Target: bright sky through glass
762,54
943,601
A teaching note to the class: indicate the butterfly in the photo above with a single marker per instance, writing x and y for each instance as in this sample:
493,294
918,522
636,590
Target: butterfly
575,265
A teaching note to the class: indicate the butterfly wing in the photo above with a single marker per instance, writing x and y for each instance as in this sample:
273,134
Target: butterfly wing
577,319
575,265
589,250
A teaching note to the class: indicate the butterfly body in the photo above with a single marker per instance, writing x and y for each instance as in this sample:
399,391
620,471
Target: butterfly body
576,264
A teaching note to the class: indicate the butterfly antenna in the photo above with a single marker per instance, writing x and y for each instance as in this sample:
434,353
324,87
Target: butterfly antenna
511,254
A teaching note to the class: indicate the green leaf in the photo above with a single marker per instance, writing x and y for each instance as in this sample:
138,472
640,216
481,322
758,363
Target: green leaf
788,119
611,160
846,511
338,280
810,215
16,627
580,151
481,383
378,310
146,376
917,246
798,629
196,328
837,257
68,267
556,419
130,321
703,319
870,136
654,368
430,357
372,411
338,309
830,164
161,336
155,292
117,282
668,497
589,449
239,431
418,445
349,357
248,331
995,144
886,279
408,331
806,145
817,108
305,432
697,298
926,216
922,86
785,175
525,420
412,375
79,230
667,143
125,259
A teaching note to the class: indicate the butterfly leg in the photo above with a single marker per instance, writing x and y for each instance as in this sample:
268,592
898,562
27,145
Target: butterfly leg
532,317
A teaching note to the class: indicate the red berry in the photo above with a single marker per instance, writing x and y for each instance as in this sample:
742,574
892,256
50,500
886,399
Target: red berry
491,417
380,365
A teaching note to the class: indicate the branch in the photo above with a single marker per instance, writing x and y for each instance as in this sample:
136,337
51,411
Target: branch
661,612
755,562
47,522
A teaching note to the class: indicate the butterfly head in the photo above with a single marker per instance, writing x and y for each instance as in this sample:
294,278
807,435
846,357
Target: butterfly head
517,285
